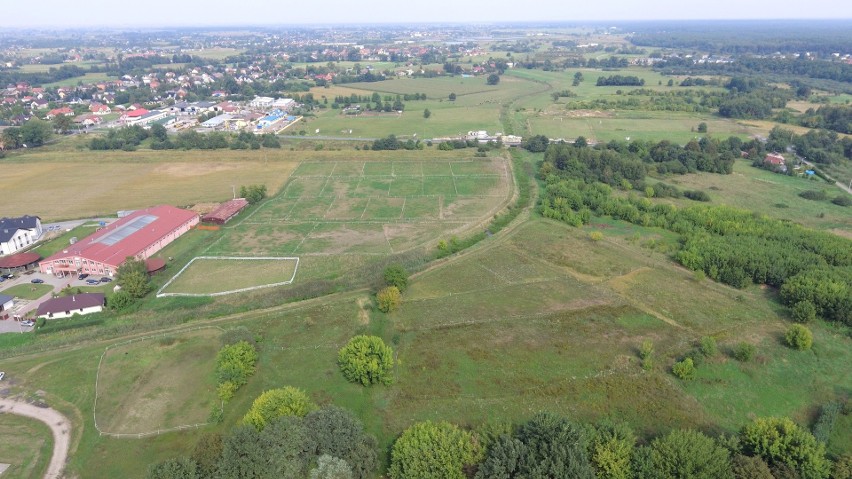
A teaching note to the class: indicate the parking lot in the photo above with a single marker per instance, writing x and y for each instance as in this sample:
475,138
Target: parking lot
23,306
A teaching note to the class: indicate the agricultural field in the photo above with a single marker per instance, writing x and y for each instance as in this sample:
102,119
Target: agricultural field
87,78
217,53
364,207
157,383
211,275
27,446
128,180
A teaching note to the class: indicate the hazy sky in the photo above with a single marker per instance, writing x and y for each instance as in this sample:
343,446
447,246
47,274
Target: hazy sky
19,13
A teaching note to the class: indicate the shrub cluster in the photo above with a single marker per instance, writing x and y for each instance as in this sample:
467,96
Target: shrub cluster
235,364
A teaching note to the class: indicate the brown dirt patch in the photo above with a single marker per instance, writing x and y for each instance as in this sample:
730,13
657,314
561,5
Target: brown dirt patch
184,170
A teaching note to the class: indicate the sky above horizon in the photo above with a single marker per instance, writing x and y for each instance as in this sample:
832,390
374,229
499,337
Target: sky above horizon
154,13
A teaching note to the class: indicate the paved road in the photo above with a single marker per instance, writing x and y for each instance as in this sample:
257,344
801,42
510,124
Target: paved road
58,424
840,185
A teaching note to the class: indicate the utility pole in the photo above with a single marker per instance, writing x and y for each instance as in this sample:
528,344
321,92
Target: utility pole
234,191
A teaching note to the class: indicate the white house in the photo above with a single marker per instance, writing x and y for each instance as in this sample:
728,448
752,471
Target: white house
261,102
67,306
18,233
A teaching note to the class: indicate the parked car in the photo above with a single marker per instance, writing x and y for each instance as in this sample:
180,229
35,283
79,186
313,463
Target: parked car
92,281
82,276
37,281
8,276
106,279
28,323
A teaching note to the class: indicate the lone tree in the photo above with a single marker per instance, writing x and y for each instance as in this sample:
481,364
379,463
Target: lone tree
452,97
275,403
396,275
427,113
389,299
366,360
493,79
133,277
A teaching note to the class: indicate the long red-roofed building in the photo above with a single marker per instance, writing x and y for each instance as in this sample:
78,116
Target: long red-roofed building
138,235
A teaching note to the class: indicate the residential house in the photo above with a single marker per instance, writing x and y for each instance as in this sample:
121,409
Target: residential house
18,233
100,109
67,306
64,111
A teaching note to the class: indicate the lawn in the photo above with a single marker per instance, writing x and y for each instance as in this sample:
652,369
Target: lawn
85,79
28,291
160,382
209,275
27,447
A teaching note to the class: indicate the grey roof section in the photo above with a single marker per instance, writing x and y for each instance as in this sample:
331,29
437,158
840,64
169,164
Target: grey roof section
70,303
8,226
5,298
123,232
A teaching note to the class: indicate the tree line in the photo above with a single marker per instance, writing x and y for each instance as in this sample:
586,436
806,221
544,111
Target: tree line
129,138
620,80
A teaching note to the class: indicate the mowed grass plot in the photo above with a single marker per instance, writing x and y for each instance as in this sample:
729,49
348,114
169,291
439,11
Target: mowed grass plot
27,447
364,206
157,383
207,275
28,290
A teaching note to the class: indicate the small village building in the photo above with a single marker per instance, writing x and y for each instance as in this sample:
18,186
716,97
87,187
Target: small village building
18,233
67,306
19,262
6,303
224,212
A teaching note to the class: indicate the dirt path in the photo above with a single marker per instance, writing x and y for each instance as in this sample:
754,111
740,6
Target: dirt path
58,424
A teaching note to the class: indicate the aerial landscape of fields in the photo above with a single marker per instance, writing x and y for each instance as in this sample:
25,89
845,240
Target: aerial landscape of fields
570,249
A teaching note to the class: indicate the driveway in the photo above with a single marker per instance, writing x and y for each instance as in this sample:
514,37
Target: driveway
24,306
58,424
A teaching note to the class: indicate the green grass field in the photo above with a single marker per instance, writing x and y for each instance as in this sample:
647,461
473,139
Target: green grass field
211,275
85,79
369,207
27,446
158,383
28,291
772,194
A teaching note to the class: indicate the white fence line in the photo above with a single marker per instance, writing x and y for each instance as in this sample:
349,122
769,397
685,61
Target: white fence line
139,435
161,294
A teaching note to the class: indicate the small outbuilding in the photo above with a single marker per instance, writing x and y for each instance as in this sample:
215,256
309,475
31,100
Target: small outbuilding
6,303
19,262
66,306
224,212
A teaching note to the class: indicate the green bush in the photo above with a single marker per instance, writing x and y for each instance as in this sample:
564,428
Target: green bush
433,450
708,346
744,352
799,337
366,360
684,369
685,453
395,275
842,200
646,350
825,423
275,403
804,312
235,363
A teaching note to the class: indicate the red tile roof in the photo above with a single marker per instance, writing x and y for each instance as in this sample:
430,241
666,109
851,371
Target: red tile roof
18,260
136,113
226,211
128,236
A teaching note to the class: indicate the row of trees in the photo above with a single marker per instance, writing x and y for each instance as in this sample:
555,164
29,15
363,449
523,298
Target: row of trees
129,138
617,162
550,446
831,117
31,134
620,80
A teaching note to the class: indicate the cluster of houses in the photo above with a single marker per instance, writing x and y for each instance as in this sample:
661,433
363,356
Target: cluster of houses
483,137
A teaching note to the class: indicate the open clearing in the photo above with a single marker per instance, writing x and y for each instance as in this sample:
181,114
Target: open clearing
28,290
210,275
27,446
157,383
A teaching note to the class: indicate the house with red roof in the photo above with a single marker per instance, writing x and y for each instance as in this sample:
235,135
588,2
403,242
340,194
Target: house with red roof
64,111
99,109
138,235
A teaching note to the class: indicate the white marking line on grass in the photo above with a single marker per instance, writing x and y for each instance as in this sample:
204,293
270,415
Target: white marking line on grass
402,211
139,435
303,240
161,294
365,209
333,199
328,179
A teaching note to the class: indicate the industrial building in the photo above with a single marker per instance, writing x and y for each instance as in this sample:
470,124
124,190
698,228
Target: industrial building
138,235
